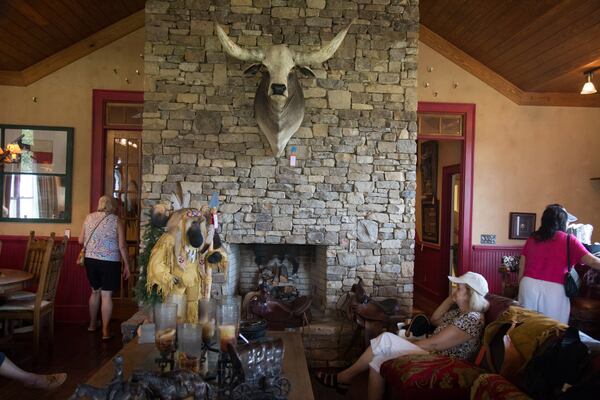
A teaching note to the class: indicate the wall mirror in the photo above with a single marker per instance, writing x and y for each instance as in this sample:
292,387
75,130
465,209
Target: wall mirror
36,173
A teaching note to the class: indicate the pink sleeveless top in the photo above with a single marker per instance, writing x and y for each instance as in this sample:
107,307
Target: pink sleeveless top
104,241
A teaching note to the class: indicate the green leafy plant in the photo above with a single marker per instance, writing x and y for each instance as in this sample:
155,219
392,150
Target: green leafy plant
149,239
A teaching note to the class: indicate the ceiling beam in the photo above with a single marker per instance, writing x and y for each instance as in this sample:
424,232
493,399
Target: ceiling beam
73,53
493,79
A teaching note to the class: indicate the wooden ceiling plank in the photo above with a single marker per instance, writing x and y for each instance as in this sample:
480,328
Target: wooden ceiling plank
499,83
15,52
474,12
97,11
479,28
556,49
12,78
31,48
450,18
40,46
85,13
57,37
116,11
428,8
469,64
8,63
546,28
58,21
77,22
565,59
35,30
84,47
516,17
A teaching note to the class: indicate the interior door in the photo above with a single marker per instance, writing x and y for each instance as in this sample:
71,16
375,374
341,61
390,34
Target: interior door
123,182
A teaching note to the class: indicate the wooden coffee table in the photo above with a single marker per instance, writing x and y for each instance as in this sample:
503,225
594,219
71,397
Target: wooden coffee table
138,356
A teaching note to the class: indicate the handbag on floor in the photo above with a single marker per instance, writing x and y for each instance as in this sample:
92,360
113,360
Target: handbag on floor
572,281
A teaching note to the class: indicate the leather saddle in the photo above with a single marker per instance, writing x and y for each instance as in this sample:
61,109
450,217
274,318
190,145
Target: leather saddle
279,314
374,316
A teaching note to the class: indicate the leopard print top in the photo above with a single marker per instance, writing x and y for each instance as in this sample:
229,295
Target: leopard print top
472,323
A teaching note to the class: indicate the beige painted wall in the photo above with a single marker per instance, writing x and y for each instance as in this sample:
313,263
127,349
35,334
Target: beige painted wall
449,153
525,157
65,99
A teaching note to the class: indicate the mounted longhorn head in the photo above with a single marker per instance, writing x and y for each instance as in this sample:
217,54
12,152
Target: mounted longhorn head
279,101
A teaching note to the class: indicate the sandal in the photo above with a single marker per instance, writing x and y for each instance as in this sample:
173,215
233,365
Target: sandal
48,382
329,379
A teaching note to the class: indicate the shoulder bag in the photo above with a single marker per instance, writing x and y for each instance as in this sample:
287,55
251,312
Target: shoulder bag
572,281
81,255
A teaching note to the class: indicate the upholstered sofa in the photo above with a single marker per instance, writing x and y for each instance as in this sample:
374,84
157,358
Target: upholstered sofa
432,376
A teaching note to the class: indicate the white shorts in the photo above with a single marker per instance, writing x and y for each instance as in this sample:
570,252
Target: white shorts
549,298
388,346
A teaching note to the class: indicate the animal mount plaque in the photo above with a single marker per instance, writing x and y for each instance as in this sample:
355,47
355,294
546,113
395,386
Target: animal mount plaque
279,100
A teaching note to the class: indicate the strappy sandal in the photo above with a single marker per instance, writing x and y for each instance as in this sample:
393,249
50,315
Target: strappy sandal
48,382
329,379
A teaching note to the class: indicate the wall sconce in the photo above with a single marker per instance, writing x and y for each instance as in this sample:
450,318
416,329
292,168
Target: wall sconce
588,87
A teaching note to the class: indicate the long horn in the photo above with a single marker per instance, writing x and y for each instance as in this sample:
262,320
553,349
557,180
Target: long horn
236,51
323,54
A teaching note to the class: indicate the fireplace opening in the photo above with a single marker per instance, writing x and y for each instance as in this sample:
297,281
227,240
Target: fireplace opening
290,270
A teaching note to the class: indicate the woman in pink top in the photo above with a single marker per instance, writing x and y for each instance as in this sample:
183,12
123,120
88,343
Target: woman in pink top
543,265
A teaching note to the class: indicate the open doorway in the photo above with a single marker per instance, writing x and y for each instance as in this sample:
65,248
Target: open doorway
443,199
116,171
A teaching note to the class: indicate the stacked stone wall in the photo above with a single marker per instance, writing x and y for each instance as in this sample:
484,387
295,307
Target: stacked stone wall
353,187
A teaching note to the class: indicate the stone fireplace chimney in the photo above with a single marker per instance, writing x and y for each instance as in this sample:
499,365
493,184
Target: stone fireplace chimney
351,194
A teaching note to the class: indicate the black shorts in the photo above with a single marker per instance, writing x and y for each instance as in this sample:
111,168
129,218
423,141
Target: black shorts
105,275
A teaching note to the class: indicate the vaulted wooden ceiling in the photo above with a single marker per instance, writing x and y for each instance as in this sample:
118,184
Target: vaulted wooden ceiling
35,34
539,46
533,51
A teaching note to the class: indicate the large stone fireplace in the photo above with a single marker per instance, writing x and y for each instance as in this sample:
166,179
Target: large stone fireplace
350,198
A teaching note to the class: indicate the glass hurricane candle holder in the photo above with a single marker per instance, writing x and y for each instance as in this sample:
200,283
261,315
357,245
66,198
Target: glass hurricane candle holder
228,320
207,316
181,301
165,319
189,343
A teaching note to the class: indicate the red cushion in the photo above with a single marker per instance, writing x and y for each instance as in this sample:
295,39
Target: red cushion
493,386
430,376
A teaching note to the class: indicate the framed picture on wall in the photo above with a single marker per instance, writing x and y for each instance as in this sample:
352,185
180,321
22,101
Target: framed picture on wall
429,222
521,225
429,166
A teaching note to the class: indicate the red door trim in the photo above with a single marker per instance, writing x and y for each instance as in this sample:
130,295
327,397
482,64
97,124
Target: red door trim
468,153
98,151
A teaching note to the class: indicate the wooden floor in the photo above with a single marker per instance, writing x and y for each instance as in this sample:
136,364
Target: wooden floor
76,351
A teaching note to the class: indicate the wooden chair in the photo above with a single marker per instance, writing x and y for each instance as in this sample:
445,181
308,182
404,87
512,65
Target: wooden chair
34,258
43,304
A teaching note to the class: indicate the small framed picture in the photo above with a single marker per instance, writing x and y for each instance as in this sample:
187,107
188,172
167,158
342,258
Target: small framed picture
522,225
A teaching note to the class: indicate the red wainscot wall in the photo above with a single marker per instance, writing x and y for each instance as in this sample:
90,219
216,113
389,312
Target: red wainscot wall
73,287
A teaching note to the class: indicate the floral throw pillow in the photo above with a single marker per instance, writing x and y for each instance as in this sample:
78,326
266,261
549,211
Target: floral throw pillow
512,262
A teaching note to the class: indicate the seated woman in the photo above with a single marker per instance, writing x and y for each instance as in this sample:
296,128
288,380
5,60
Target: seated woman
459,325
35,381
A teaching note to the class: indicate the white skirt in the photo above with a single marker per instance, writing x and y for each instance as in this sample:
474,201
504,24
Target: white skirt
549,298
388,346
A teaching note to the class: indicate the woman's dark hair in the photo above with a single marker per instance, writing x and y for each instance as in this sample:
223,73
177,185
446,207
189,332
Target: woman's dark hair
554,219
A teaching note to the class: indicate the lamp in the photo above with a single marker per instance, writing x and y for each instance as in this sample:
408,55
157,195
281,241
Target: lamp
11,153
588,87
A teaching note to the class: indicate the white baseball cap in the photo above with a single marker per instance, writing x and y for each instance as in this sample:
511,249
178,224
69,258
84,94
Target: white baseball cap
474,280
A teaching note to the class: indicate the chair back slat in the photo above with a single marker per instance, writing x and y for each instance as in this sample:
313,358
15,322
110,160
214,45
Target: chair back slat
43,269
35,254
52,276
